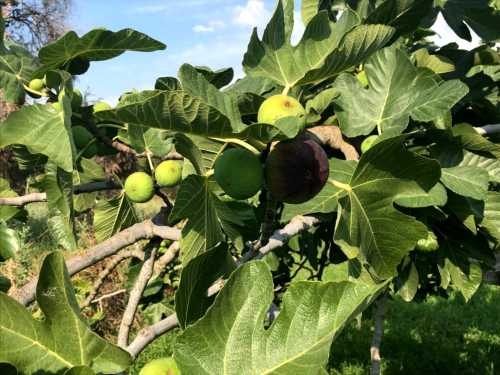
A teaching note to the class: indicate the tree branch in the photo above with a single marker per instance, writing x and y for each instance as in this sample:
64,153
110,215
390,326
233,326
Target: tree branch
166,258
377,333
136,293
488,130
282,236
109,295
332,136
78,189
140,231
110,267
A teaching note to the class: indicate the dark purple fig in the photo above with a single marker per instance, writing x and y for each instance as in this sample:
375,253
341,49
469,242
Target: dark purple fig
296,170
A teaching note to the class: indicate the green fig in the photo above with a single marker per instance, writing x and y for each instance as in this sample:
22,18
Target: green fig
139,187
169,173
279,106
81,136
368,142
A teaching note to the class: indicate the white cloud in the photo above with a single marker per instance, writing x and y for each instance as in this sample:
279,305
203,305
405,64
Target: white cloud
447,35
253,14
298,28
210,28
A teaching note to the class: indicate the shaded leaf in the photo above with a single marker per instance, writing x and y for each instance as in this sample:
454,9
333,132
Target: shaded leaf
466,180
10,243
407,280
86,171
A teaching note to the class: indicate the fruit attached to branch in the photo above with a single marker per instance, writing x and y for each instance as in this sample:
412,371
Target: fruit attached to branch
169,173
139,187
76,101
239,173
37,85
101,107
368,142
81,136
279,106
161,366
296,170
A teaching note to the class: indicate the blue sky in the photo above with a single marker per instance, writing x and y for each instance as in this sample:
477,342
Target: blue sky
213,33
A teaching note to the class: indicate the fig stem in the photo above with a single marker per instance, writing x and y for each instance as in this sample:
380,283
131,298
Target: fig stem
209,173
151,166
218,153
79,155
35,92
240,143
379,129
340,185
286,89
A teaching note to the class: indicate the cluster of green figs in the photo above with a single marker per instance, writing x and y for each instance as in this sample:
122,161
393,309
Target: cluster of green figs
294,171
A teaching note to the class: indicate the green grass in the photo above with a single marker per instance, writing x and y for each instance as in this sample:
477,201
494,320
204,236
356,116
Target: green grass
437,337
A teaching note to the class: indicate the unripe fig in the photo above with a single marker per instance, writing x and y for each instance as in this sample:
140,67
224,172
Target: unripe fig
362,78
161,366
90,151
279,106
77,100
169,173
81,136
296,170
52,79
368,142
239,173
57,106
139,187
101,107
37,85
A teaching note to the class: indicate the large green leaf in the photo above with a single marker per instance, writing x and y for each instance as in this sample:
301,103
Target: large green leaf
459,256
219,78
465,136
325,49
72,52
144,139
436,197
326,200
86,171
309,8
191,300
26,159
466,180
368,226
16,66
113,214
321,309
491,216
407,280
403,15
63,339
9,243
438,64
43,130
462,209
485,23
58,185
395,92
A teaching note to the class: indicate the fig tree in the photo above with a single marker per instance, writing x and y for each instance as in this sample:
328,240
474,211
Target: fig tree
37,85
296,170
81,136
77,100
279,106
169,173
368,142
90,151
101,107
161,366
239,173
139,187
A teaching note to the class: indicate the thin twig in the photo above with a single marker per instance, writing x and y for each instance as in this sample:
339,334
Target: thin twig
137,291
110,267
109,295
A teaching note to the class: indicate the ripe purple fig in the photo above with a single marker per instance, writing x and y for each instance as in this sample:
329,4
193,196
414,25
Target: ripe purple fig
296,170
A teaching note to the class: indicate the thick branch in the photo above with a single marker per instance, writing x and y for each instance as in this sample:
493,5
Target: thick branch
110,267
332,136
488,130
282,236
137,292
78,189
377,333
165,259
149,334
140,231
